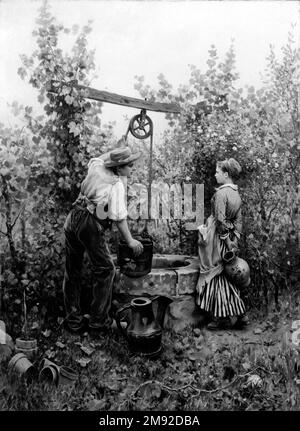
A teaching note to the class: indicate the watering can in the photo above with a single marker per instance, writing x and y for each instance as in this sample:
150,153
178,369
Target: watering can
144,330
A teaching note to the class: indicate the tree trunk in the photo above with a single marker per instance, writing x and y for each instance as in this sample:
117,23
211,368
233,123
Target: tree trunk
23,232
9,226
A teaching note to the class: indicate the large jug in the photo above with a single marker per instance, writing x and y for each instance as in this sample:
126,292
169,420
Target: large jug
144,331
236,269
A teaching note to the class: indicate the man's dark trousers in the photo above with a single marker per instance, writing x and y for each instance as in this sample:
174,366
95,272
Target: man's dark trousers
84,233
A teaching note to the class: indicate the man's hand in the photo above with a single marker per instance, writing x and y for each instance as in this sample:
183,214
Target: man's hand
136,246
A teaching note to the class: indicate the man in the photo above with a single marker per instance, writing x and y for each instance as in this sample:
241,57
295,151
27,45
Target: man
101,201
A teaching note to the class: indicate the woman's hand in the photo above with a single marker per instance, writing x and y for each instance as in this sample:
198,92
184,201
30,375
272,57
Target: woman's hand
136,246
232,245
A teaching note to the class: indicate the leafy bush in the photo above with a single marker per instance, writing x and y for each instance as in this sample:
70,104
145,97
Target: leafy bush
261,130
43,163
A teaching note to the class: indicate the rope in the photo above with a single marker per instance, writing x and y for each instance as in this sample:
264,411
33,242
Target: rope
150,180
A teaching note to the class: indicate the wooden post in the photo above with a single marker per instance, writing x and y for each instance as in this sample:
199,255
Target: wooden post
117,99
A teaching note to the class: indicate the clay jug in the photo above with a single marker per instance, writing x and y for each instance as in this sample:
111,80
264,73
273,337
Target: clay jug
144,330
236,269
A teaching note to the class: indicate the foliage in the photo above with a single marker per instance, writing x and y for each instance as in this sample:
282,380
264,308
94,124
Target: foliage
42,165
72,124
196,371
25,175
261,129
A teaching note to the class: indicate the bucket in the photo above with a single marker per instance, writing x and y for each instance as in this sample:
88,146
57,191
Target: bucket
67,376
135,266
28,347
49,372
21,366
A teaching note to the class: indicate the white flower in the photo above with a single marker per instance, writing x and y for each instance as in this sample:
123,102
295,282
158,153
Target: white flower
254,380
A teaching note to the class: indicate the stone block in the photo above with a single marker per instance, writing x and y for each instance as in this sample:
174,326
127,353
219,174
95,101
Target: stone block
188,277
167,278
183,312
163,283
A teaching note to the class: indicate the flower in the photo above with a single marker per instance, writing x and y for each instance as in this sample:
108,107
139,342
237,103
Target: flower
254,380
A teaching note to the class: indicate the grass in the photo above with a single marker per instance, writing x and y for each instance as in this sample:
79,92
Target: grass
197,370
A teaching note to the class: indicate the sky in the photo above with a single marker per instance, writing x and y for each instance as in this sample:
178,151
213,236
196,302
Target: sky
148,38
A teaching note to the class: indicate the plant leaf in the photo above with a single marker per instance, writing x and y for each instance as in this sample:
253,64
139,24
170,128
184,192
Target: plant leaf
83,362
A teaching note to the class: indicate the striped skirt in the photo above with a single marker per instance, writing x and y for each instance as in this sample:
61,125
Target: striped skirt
220,297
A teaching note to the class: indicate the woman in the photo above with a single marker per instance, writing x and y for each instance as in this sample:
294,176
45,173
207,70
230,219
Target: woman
215,293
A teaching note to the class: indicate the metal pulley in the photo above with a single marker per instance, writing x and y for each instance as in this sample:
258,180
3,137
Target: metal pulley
140,126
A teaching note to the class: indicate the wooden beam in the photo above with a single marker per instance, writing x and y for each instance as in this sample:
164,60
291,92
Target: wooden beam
131,102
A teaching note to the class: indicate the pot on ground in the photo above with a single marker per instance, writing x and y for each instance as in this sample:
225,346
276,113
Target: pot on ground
28,347
20,366
49,372
67,376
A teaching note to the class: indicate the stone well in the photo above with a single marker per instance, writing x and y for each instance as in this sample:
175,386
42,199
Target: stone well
171,275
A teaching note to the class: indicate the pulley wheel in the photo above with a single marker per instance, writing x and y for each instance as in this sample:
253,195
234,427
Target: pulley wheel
141,126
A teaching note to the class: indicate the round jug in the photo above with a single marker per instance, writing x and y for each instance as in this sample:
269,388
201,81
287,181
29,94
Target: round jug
236,269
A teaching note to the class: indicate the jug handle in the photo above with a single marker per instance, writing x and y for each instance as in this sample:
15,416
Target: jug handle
118,319
154,298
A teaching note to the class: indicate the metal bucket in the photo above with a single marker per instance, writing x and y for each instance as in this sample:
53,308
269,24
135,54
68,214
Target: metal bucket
135,266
